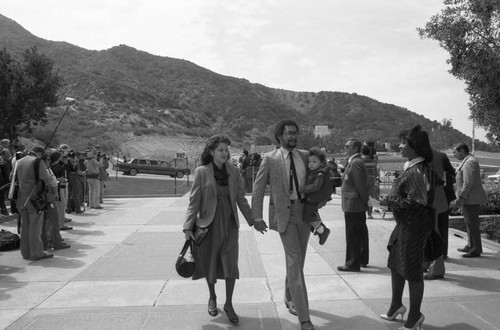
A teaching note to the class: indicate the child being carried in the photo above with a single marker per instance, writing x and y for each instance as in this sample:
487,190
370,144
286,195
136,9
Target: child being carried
318,190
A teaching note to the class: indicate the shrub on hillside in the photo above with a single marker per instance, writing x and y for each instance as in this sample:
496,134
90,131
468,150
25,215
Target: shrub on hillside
492,190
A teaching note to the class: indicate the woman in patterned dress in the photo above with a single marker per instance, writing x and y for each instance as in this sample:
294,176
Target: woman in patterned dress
411,203
216,192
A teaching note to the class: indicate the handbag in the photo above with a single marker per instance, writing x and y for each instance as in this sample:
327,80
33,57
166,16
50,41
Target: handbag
185,262
433,247
199,234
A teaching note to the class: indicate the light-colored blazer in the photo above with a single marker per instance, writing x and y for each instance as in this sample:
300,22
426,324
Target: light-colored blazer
355,186
26,178
203,197
469,185
272,170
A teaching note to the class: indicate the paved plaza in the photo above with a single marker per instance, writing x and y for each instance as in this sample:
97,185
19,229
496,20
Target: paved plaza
119,274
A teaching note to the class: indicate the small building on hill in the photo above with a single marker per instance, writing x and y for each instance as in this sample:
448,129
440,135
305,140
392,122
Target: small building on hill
322,130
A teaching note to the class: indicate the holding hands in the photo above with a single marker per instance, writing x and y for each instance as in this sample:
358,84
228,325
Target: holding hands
260,226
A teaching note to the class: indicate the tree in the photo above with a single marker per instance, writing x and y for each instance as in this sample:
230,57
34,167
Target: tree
26,90
470,31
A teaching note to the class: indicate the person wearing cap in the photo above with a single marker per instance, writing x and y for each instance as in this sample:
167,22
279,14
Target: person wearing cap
32,220
60,169
103,174
92,166
75,202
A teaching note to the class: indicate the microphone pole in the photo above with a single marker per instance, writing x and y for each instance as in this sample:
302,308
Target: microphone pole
70,101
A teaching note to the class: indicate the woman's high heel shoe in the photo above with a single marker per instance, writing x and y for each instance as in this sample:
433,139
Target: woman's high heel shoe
401,310
212,307
231,315
417,325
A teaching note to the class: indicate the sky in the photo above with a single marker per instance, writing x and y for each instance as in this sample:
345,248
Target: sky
371,48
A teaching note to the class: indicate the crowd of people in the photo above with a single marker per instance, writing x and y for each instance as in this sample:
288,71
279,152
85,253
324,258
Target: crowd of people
295,180
43,185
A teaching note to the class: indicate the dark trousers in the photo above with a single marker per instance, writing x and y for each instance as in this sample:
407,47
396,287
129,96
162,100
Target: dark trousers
471,217
443,220
50,230
356,235
3,195
76,191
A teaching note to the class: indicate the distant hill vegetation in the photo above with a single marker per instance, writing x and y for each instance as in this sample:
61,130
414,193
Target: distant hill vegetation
125,94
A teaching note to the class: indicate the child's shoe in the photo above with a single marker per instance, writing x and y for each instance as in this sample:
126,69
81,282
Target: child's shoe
324,235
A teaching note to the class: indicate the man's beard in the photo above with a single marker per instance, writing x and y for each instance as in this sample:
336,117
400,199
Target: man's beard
291,144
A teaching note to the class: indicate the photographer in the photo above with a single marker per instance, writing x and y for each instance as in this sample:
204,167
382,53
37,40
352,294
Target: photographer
103,173
60,169
51,236
92,165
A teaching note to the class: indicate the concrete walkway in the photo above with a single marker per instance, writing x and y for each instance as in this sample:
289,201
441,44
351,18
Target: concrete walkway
119,274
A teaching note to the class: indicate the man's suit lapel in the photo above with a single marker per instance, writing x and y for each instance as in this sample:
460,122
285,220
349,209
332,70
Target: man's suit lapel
282,169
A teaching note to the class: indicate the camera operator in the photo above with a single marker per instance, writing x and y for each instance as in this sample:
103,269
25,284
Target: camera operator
103,173
60,169
92,165
51,236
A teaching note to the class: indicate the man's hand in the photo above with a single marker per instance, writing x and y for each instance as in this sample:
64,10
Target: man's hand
260,226
457,202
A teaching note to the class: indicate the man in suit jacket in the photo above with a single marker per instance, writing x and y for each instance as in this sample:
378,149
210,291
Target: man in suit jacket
354,204
470,195
442,167
286,206
32,221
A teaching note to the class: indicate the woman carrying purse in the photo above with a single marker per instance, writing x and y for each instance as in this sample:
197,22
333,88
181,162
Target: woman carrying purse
216,192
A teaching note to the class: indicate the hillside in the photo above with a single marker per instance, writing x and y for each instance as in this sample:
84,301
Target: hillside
126,94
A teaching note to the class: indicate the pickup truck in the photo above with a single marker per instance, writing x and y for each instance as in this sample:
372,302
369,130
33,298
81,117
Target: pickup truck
149,166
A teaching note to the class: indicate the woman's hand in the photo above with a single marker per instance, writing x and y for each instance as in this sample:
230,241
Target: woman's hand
188,234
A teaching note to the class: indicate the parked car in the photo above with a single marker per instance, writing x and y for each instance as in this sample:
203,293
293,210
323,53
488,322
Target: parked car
495,177
149,166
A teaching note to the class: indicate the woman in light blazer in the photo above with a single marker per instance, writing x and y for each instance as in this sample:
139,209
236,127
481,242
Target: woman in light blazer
217,189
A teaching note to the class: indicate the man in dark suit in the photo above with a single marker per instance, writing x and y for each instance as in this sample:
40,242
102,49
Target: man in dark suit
354,192
470,195
32,221
285,171
442,197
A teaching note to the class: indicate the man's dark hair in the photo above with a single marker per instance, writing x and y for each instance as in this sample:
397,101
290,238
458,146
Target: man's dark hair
418,140
356,143
54,156
280,127
462,146
245,152
213,142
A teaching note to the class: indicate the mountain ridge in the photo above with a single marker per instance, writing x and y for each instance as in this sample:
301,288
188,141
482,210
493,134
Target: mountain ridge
129,90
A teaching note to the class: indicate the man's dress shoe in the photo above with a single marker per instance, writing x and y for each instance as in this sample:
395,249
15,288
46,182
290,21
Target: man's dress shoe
347,269
471,255
291,307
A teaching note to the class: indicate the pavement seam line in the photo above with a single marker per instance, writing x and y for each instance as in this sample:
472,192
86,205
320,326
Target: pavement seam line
477,316
159,293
